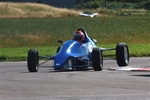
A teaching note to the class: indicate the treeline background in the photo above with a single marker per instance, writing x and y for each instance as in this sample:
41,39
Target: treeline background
92,4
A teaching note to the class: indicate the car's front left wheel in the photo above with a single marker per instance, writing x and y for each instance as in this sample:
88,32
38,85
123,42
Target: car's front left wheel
97,59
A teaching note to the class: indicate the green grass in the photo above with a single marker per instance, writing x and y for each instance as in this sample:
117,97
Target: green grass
18,35
28,32
20,54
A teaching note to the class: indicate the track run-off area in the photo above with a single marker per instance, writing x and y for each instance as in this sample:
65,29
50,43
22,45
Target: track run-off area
112,83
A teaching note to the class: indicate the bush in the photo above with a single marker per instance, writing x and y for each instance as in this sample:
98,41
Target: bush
147,5
93,4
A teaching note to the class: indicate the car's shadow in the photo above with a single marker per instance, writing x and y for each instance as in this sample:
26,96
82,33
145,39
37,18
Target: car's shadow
142,75
77,70
50,69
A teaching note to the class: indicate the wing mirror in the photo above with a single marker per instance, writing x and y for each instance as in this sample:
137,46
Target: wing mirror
94,40
60,41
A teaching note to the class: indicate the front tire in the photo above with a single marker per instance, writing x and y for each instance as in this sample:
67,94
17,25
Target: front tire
97,59
33,60
122,54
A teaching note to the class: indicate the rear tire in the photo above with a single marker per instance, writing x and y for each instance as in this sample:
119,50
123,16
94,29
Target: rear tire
122,54
97,59
33,60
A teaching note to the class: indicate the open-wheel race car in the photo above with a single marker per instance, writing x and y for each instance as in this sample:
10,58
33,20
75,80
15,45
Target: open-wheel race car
79,53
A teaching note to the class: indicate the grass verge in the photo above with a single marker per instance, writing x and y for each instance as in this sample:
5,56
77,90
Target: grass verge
28,32
25,10
20,54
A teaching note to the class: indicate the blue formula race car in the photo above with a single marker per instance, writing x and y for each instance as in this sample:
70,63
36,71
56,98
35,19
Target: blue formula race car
79,53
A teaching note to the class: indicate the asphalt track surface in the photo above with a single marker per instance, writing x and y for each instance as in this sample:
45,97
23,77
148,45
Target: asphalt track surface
16,83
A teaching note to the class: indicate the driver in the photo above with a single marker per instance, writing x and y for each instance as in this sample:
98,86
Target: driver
79,36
